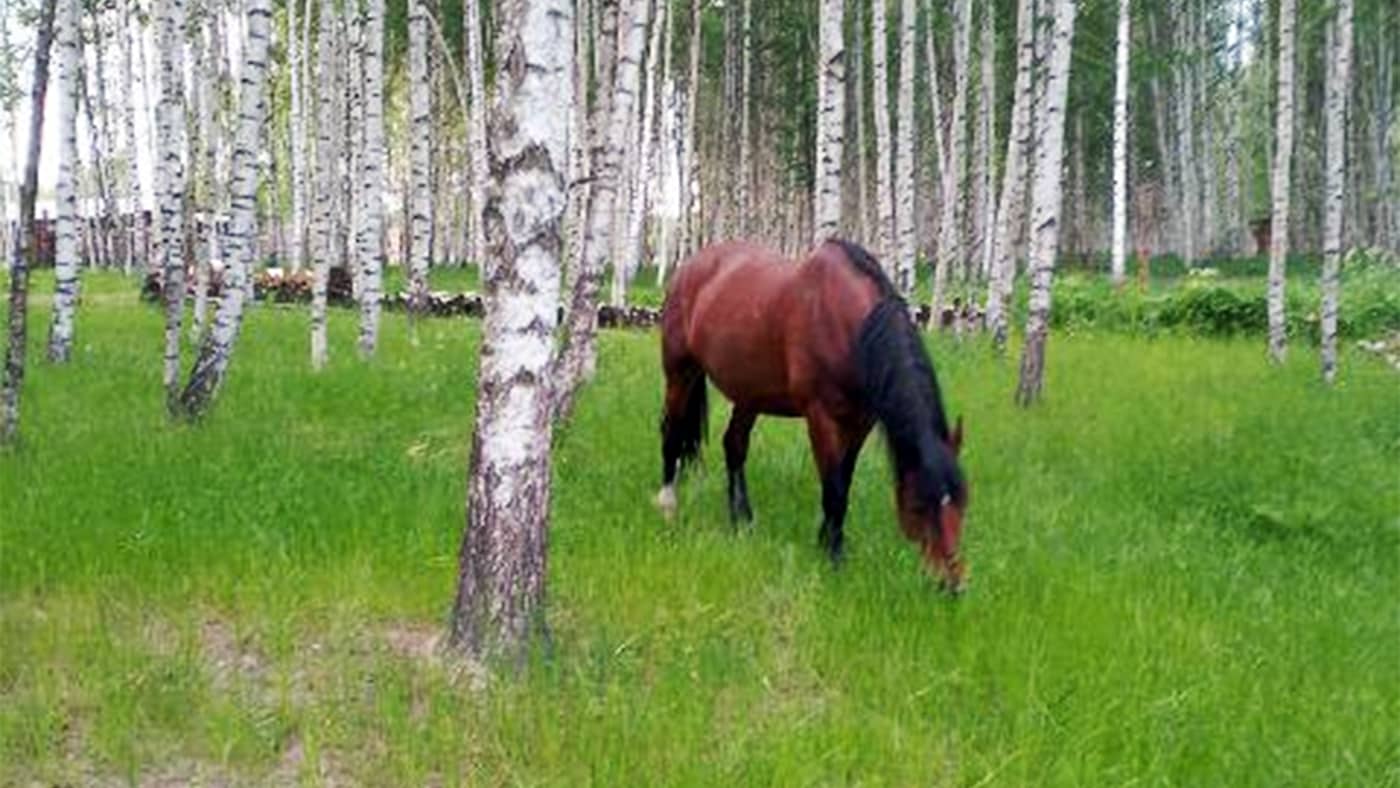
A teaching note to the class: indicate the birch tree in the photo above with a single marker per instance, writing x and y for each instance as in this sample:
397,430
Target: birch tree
216,350
578,356
420,156
66,252
884,150
950,244
170,179
134,204
1045,203
643,169
22,242
1120,145
1338,90
985,178
329,153
1283,162
371,212
904,153
745,224
501,578
690,134
476,124
831,120
1011,211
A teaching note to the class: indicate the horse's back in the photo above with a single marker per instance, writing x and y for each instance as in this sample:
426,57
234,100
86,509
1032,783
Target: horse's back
768,331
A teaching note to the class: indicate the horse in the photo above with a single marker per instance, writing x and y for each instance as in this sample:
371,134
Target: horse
828,340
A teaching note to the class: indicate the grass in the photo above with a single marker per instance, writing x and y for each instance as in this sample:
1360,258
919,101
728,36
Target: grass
1185,569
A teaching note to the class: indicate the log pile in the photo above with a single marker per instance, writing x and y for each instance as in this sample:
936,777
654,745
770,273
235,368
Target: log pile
276,286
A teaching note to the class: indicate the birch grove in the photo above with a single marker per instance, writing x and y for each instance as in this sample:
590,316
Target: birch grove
370,214
1010,213
905,247
170,179
950,242
884,151
420,188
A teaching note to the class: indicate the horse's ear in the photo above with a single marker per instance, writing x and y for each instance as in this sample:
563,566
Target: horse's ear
955,439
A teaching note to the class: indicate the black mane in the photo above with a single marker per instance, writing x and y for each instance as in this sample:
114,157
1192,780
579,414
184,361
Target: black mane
900,387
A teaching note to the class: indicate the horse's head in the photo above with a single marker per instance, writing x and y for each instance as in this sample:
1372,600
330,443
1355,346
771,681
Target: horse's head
932,500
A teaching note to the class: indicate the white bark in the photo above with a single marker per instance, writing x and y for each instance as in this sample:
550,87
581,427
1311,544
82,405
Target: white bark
1185,137
831,120
66,251
745,225
420,155
297,123
643,168
989,128
950,244
371,213
906,250
203,151
503,556
1120,146
1045,203
578,357
628,187
476,126
216,351
858,69
1011,212
690,136
134,259
1283,162
170,171
329,154
1338,92
884,146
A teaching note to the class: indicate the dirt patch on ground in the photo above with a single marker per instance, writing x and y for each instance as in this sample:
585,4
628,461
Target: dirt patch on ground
230,657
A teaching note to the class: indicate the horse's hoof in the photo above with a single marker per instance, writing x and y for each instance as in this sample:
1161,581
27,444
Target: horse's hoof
666,501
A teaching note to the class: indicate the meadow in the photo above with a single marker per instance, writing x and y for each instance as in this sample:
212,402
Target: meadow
1185,569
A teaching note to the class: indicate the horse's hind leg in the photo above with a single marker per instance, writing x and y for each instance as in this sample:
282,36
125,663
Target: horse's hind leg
682,427
736,451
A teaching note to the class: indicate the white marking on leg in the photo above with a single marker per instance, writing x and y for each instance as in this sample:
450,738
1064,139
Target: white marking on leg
666,500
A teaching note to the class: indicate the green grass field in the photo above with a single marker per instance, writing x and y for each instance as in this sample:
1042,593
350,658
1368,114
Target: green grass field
1185,568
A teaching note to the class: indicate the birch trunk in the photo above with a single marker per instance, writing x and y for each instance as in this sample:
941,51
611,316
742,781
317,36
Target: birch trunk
420,157
476,125
216,350
101,147
858,69
131,228
884,150
22,242
296,250
1338,92
905,259
1185,137
1011,211
170,142
580,130
1045,198
66,248
1283,161
329,154
744,226
203,171
831,121
690,135
501,578
578,356
1120,145
989,128
950,244
1172,223
643,171
371,213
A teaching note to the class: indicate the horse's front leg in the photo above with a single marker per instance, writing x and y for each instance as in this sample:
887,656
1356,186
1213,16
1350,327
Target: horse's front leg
736,452
835,449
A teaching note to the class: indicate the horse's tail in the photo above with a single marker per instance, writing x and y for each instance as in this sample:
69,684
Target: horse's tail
685,420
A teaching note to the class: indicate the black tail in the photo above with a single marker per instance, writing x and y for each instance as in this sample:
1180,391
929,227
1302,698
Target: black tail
684,424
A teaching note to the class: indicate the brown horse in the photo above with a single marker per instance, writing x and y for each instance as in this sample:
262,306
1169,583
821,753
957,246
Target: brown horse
827,340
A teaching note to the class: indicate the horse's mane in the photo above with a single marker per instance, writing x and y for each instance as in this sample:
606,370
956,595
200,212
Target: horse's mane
900,386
